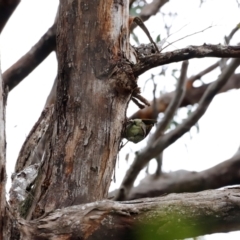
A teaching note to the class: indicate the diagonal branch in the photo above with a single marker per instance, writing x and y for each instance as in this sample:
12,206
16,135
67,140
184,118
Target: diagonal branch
26,64
7,7
234,30
221,175
202,107
192,79
170,111
151,9
206,50
174,104
150,151
192,96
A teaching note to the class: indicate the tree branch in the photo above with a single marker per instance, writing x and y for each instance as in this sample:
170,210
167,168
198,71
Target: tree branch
170,111
153,60
174,104
192,96
26,64
7,7
234,30
221,175
192,79
168,217
150,151
151,9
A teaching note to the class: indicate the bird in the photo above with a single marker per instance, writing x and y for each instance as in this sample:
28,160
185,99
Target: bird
137,129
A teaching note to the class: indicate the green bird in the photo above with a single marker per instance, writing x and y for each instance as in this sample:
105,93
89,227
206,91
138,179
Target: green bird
137,129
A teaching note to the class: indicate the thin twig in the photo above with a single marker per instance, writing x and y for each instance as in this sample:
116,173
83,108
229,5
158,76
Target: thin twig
227,39
202,73
189,35
154,106
231,34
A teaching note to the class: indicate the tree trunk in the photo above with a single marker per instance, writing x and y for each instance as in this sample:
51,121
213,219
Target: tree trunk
95,83
3,222
81,134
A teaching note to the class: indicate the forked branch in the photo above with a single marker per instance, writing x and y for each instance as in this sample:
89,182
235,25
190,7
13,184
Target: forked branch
150,151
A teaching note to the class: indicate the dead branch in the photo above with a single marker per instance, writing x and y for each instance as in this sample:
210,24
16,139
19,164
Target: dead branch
7,7
192,79
234,30
192,96
150,151
147,62
170,111
227,39
26,64
221,175
167,217
174,104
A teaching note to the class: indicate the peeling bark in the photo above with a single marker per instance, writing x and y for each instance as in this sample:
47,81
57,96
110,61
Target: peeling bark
95,83
169,217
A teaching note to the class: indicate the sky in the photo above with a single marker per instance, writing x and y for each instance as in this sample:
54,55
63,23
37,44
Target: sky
217,139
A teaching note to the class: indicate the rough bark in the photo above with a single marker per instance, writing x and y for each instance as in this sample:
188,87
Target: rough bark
3,220
147,60
168,217
95,83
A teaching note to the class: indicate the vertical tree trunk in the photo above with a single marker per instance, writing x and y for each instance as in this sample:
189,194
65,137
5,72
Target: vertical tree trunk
3,218
94,87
